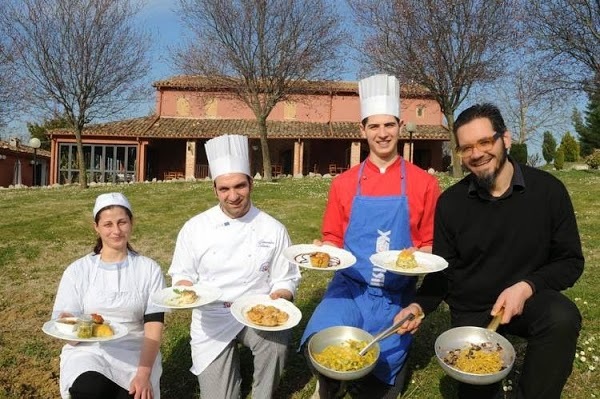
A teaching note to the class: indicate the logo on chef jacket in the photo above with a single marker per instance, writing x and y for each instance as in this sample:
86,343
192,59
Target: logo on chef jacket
266,244
383,241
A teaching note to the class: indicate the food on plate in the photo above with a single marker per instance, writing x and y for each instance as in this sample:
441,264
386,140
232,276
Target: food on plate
319,259
485,358
267,315
345,357
85,329
406,260
94,327
183,297
66,325
96,318
102,330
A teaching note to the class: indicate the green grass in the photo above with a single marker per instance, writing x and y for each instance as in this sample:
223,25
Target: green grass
44,229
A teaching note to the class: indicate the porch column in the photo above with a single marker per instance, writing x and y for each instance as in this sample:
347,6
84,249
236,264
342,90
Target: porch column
354,153
298,158
190,160
141,160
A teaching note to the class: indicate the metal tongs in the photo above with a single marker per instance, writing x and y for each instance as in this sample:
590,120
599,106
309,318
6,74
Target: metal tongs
386,333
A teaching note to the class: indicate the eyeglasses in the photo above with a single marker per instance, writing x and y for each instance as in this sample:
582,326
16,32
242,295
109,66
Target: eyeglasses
482,145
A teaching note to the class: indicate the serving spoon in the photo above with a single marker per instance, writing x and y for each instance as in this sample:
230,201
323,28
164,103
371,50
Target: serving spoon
386,333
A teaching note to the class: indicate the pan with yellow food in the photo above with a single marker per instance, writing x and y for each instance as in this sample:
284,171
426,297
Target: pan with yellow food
334,352
475,355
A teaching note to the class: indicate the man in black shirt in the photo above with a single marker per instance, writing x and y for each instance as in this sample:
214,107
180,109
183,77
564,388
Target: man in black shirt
509,234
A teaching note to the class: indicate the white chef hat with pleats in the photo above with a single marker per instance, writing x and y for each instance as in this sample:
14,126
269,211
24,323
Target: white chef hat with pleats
379,95
228,154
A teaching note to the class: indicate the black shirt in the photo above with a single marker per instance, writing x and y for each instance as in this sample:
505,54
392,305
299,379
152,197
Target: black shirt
529,234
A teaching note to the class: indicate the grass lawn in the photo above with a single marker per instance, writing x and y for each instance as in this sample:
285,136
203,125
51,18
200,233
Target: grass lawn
43,230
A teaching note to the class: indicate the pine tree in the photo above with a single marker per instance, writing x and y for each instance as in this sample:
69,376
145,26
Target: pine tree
548,147
589,130
570,147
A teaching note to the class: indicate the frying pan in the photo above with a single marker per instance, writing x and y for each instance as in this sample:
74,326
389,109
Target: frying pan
461,337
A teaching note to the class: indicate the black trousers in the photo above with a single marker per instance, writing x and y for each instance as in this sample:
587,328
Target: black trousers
93,385
550,323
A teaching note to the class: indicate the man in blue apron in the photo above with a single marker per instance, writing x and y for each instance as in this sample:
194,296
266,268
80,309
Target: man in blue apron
384,203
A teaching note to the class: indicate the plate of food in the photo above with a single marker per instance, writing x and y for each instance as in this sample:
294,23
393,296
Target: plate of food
263,313
409,263
185,297
319,257
84,329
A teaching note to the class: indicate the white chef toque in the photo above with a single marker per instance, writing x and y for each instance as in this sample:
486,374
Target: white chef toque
228,154
110,199
379,95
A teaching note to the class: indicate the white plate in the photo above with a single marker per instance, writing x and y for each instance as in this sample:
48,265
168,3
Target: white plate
50,328
242,305
300,255
205,293
428,263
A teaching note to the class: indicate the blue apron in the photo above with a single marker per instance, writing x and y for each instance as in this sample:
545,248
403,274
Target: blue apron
364,295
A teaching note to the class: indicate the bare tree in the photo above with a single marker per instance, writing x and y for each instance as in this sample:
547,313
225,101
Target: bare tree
8,98
568,31
530,103
262,50
86,57
445,46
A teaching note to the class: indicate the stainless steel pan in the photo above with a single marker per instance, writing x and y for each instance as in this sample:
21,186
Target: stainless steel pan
461,337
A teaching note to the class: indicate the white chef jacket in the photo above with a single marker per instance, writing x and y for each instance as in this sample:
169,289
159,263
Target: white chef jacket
120,292
240,256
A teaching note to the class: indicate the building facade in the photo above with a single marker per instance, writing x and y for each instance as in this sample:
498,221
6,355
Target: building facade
316,130
22,165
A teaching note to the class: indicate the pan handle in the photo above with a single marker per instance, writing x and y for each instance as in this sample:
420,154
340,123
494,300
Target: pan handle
495,323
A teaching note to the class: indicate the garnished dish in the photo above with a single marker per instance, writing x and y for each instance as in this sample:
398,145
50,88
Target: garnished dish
321,259
183,297
261,312
484,358
345,357
86,328
267,315
406,260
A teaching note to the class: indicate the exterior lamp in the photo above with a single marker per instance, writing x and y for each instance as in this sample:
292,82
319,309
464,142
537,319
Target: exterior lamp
411,128
35,143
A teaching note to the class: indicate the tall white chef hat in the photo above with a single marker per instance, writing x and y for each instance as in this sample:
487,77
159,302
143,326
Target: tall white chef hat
379,95
228,154
110,199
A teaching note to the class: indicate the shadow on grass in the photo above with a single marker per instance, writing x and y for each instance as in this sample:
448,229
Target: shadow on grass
177,380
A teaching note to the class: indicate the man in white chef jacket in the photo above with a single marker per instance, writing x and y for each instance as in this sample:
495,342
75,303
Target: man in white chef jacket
237,248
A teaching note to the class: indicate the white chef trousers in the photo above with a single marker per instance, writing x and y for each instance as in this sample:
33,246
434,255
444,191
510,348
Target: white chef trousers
222,378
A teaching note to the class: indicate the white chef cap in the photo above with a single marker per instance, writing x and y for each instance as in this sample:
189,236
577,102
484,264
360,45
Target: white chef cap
227,154
379,95
110,199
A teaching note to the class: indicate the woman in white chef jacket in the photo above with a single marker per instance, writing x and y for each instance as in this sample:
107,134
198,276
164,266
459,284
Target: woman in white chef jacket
115,282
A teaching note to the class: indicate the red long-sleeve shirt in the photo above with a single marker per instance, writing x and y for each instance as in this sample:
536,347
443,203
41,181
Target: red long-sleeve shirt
422,188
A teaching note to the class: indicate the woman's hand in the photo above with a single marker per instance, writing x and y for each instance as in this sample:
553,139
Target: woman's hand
140,386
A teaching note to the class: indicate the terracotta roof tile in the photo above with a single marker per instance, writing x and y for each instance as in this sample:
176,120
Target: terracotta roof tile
196,82
5,145
184,128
